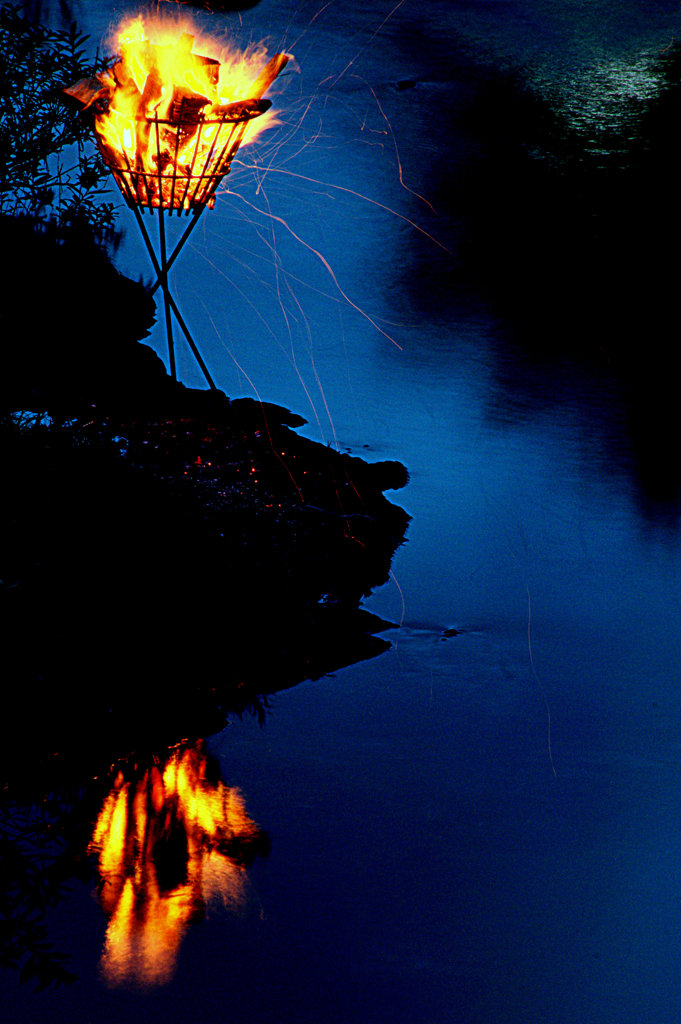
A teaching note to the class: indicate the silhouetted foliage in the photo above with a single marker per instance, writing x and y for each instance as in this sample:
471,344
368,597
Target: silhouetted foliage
49,167
68,316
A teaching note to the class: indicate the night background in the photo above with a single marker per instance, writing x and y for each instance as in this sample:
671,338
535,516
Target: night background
348,690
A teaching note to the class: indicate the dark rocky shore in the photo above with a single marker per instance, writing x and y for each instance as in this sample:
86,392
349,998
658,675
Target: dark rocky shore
169,555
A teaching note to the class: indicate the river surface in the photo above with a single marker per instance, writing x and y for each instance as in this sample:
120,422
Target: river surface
481,824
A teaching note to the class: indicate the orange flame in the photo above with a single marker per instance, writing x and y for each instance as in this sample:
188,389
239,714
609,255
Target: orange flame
169,120
169,844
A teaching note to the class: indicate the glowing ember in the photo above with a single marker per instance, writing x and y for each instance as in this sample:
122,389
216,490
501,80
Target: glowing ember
169,121
169,842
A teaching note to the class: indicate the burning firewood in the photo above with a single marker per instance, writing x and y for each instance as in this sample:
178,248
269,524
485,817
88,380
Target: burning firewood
268,75
88,91
168,121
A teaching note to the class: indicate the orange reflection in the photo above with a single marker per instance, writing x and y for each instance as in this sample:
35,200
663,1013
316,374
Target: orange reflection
170,841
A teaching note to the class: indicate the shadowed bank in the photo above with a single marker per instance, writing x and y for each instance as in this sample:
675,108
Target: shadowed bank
167,552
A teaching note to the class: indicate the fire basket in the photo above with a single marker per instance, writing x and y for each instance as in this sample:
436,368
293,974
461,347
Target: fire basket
171,182
168,138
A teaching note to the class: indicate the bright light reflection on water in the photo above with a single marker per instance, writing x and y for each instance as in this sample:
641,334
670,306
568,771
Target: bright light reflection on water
171,843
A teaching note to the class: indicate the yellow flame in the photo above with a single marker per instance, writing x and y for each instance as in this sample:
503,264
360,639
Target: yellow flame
172,812
160,77
132,32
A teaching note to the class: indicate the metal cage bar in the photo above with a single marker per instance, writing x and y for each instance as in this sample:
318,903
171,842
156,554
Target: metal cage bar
188,180
178,185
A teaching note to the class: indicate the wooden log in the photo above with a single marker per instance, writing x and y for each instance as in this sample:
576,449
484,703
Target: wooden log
268,74
88,91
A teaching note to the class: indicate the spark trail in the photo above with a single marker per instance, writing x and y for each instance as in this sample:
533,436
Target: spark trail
327,266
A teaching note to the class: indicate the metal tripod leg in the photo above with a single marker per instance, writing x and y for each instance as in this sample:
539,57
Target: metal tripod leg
166,293
168,301
195,214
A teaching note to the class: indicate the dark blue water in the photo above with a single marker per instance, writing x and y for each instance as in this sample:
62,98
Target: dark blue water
481,824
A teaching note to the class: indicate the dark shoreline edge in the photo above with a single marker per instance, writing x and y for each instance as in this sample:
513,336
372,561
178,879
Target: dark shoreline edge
169,555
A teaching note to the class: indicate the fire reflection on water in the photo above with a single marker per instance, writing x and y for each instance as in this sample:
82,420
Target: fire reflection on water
171,840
